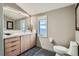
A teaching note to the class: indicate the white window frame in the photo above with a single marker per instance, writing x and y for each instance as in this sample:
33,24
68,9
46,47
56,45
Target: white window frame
44,17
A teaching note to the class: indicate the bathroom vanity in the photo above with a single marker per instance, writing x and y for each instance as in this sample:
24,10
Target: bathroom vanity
16,44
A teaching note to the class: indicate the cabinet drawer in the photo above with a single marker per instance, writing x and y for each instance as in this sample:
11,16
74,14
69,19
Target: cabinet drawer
11,44
12,48
10,40
13,52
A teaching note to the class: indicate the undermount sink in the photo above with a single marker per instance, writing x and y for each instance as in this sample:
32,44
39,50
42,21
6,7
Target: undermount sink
7,33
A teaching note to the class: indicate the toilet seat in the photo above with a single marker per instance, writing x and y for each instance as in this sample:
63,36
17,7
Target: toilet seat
60,49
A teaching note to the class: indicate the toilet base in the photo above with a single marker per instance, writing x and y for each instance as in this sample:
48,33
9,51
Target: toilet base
57,54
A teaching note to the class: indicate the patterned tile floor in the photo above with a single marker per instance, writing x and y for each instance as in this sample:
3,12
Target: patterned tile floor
36,51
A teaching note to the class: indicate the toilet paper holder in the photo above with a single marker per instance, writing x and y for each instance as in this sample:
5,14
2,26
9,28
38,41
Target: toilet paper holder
51,40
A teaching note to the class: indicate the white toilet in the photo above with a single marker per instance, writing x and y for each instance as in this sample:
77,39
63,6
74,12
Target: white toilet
60,49
72,50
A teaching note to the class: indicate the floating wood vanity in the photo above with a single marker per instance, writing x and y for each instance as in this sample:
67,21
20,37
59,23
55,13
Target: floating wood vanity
18,44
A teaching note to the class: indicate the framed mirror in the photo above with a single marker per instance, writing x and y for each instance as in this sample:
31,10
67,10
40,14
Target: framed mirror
9,25
77,17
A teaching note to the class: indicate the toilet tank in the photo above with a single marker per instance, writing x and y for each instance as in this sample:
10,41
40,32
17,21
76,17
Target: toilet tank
73,48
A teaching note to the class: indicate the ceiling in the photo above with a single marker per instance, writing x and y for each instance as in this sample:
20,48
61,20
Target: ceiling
37,8
22,10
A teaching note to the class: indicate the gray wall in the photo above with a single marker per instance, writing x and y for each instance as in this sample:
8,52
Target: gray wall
1,31
61,27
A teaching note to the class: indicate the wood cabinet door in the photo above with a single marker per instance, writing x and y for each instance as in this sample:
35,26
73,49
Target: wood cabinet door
33,40
22,44
27,42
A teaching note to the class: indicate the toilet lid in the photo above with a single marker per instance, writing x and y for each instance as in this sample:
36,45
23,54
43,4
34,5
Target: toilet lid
61,49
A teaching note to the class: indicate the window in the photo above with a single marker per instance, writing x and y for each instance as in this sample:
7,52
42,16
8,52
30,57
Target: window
23,25
43,26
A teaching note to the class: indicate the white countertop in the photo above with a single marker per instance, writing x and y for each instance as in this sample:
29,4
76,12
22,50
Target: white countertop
16,33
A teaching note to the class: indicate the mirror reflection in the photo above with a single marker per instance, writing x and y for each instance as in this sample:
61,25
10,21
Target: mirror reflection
15,19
